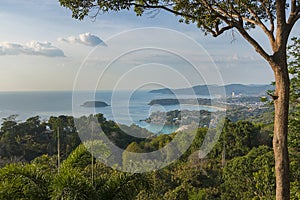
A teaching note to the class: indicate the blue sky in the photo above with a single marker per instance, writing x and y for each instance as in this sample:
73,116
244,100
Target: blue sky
43,48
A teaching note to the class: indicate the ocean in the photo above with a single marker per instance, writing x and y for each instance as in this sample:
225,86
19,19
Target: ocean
125,107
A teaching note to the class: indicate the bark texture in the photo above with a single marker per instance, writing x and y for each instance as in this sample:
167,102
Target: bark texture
280,146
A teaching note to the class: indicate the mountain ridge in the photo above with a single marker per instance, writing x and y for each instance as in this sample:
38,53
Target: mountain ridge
229,89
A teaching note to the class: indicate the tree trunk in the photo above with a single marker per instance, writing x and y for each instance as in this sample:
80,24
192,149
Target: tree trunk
280,146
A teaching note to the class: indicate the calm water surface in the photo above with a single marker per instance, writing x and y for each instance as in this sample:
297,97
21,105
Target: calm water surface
125,107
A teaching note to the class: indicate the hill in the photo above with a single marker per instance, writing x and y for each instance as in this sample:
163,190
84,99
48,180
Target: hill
237,89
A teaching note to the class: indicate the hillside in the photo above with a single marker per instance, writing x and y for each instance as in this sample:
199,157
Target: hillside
238,89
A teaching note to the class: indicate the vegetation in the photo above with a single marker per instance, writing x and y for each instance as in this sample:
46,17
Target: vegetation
24,141
243,154
185,117
199,101
294,69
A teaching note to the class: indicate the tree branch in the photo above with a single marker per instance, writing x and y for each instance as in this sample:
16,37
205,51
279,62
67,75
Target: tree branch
226,15
270,15
281,30
294,15
215,32
262,26
231,18
222,30
254,43
164,7
292,21
220,16
280,14
239,25
293,6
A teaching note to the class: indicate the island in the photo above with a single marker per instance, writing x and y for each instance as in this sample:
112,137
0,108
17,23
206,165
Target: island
94,104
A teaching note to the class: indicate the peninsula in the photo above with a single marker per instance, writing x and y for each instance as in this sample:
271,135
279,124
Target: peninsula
198,101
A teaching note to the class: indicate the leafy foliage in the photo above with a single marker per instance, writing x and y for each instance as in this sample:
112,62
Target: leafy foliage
294,70
24,182
251,175
211,16
187,178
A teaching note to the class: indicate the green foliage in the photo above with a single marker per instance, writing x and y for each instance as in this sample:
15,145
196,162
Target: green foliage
250,176
34,138
18,181
178,193
46,163
71,184
294,117
101,126
213,17
295,174
123,186
237,139
263,115
248,173
73,181
69,138
294,68
78,159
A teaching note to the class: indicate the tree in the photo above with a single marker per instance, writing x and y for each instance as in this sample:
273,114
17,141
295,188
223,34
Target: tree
74,180
294,121
69,138
275,18
255,178
19,181
294,69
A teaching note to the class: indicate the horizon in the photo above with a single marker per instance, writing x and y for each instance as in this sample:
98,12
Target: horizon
170,54
130,89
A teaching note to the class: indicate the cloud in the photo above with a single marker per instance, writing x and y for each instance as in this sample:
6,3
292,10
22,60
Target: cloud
86,39
235,58
31,48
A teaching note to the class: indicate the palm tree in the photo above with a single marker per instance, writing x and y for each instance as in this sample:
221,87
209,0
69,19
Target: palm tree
74,179
18,181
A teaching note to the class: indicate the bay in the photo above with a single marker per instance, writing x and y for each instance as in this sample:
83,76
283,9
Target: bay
126,107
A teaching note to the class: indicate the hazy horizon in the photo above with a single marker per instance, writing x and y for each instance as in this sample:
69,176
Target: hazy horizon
154,88
43,49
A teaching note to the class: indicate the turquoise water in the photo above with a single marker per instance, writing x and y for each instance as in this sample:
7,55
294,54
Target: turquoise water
125,107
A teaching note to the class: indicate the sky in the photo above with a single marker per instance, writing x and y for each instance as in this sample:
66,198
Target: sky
43,48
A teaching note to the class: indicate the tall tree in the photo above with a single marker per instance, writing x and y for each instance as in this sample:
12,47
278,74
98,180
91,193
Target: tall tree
275,18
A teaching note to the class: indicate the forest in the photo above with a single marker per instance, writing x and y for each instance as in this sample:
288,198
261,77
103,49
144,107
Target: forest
240,166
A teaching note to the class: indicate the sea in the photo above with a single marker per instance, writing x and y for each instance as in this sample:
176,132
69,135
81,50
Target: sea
125,107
